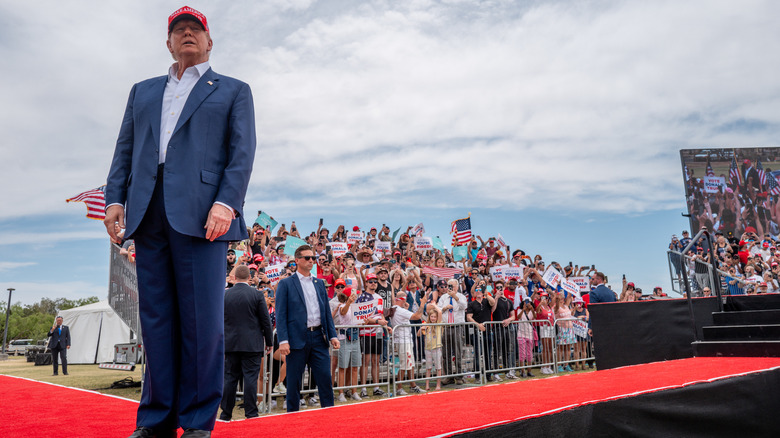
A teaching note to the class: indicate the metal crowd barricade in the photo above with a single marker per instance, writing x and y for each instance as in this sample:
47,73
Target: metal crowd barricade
383,373
453,353
521,345
573,343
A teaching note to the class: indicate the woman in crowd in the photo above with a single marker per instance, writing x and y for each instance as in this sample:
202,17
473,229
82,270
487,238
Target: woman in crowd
351,276
581,346
565,332
546,331
525,336
397,280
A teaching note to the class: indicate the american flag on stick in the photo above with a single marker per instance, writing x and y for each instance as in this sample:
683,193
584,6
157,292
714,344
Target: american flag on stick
735,176
710,172
461,231
774,186
761,174
95,201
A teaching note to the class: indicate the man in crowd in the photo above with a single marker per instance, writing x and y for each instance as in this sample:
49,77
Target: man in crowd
504,334
59,344
248,334
304,324
371,339
453,306
478,311
180,172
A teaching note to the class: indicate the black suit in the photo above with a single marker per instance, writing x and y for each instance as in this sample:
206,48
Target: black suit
247,332
59,341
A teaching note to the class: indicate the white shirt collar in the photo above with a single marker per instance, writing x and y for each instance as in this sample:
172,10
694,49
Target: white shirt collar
302,277
198,70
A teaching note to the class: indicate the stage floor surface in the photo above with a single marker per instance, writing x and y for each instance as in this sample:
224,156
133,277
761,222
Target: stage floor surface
31,408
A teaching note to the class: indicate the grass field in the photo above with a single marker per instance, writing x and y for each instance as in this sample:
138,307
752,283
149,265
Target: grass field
79,376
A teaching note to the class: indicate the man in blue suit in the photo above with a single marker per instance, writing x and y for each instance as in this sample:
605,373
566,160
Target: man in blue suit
304,325
59,344
178,179
601,294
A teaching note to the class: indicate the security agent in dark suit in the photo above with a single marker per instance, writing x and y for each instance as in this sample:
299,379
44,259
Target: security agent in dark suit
179,176
59,343
248,334
601,294
304,325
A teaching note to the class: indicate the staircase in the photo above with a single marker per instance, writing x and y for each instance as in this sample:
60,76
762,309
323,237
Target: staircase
742,333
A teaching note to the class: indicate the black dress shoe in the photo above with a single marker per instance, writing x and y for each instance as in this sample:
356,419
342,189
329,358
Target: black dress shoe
224,417
145,432
55,374
196,433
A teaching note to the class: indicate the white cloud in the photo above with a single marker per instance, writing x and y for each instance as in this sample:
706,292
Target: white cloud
8,266
559,105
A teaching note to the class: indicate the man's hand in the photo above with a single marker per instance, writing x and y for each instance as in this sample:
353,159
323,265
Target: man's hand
335,343
481,327
284,349
218,222
68,347
114,214
269,349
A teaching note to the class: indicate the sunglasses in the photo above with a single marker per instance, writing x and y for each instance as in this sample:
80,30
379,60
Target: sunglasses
372,281
340,286
292,265
308,258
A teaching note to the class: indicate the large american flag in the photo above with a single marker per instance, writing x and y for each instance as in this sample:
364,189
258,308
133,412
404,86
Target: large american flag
734,174
761,174
441,272
94,200
461,231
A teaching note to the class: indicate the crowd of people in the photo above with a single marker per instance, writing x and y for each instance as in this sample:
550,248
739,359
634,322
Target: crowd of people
423,302
748,264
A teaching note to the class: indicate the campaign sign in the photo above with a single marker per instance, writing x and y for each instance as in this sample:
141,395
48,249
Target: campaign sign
292,244
570,287
354,237
459,252
423,244
274,273
266,221
582,282
338,248
497,272
552,277
513,273
580,328
712,184
382,246
437,244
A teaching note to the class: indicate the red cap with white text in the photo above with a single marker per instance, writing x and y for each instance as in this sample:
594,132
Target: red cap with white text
194,14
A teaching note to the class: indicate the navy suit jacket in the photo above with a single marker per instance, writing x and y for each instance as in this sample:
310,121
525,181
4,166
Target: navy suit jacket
61,340
291,311
602,294
209,156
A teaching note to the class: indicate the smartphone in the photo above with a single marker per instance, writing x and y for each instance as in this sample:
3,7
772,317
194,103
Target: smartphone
592,266
320,221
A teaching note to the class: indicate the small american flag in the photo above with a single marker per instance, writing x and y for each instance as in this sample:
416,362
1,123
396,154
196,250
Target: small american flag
441,272
94,200
761,173
461,231
774,186
710,172
734,175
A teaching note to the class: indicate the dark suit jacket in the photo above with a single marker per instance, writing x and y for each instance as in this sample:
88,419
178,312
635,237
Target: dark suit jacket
247,322
57,340
291,311
602,294
209,156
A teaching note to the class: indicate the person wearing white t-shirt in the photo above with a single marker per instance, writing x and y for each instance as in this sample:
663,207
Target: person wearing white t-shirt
404,340
349,352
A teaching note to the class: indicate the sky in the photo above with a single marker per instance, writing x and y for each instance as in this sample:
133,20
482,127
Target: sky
557,124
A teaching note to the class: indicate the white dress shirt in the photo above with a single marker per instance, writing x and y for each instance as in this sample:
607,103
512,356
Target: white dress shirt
175,96
313,318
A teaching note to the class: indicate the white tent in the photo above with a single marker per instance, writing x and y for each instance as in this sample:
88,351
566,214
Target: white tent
94,329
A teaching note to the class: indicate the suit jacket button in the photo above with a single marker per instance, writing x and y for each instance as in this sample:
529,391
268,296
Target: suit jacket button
154,178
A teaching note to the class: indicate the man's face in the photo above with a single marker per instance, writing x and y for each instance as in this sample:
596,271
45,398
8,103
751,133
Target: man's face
306,260
231,257
371,285
59,321
382,275
188,40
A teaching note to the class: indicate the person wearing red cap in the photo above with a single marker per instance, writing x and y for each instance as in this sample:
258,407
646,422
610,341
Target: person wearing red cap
349,356
178,180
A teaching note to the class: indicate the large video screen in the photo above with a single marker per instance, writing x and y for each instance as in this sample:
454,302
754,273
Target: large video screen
733,190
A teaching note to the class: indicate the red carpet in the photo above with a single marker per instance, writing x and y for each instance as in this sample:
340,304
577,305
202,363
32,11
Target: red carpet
31,408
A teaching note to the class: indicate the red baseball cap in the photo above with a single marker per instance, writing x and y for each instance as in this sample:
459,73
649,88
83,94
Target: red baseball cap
340,281
356,228
347,291
370,276
187,12
258,258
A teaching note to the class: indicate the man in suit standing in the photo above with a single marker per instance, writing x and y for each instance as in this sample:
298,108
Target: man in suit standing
247,323
304,325
59,343
601,294
178,179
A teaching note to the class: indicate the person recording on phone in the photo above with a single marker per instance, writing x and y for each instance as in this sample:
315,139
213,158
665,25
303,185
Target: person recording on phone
59,343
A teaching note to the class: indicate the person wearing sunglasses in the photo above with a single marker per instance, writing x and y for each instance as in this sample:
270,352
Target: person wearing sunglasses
304,326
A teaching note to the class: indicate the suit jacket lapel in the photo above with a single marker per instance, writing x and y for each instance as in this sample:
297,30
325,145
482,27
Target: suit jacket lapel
299,288
157,90
205,86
